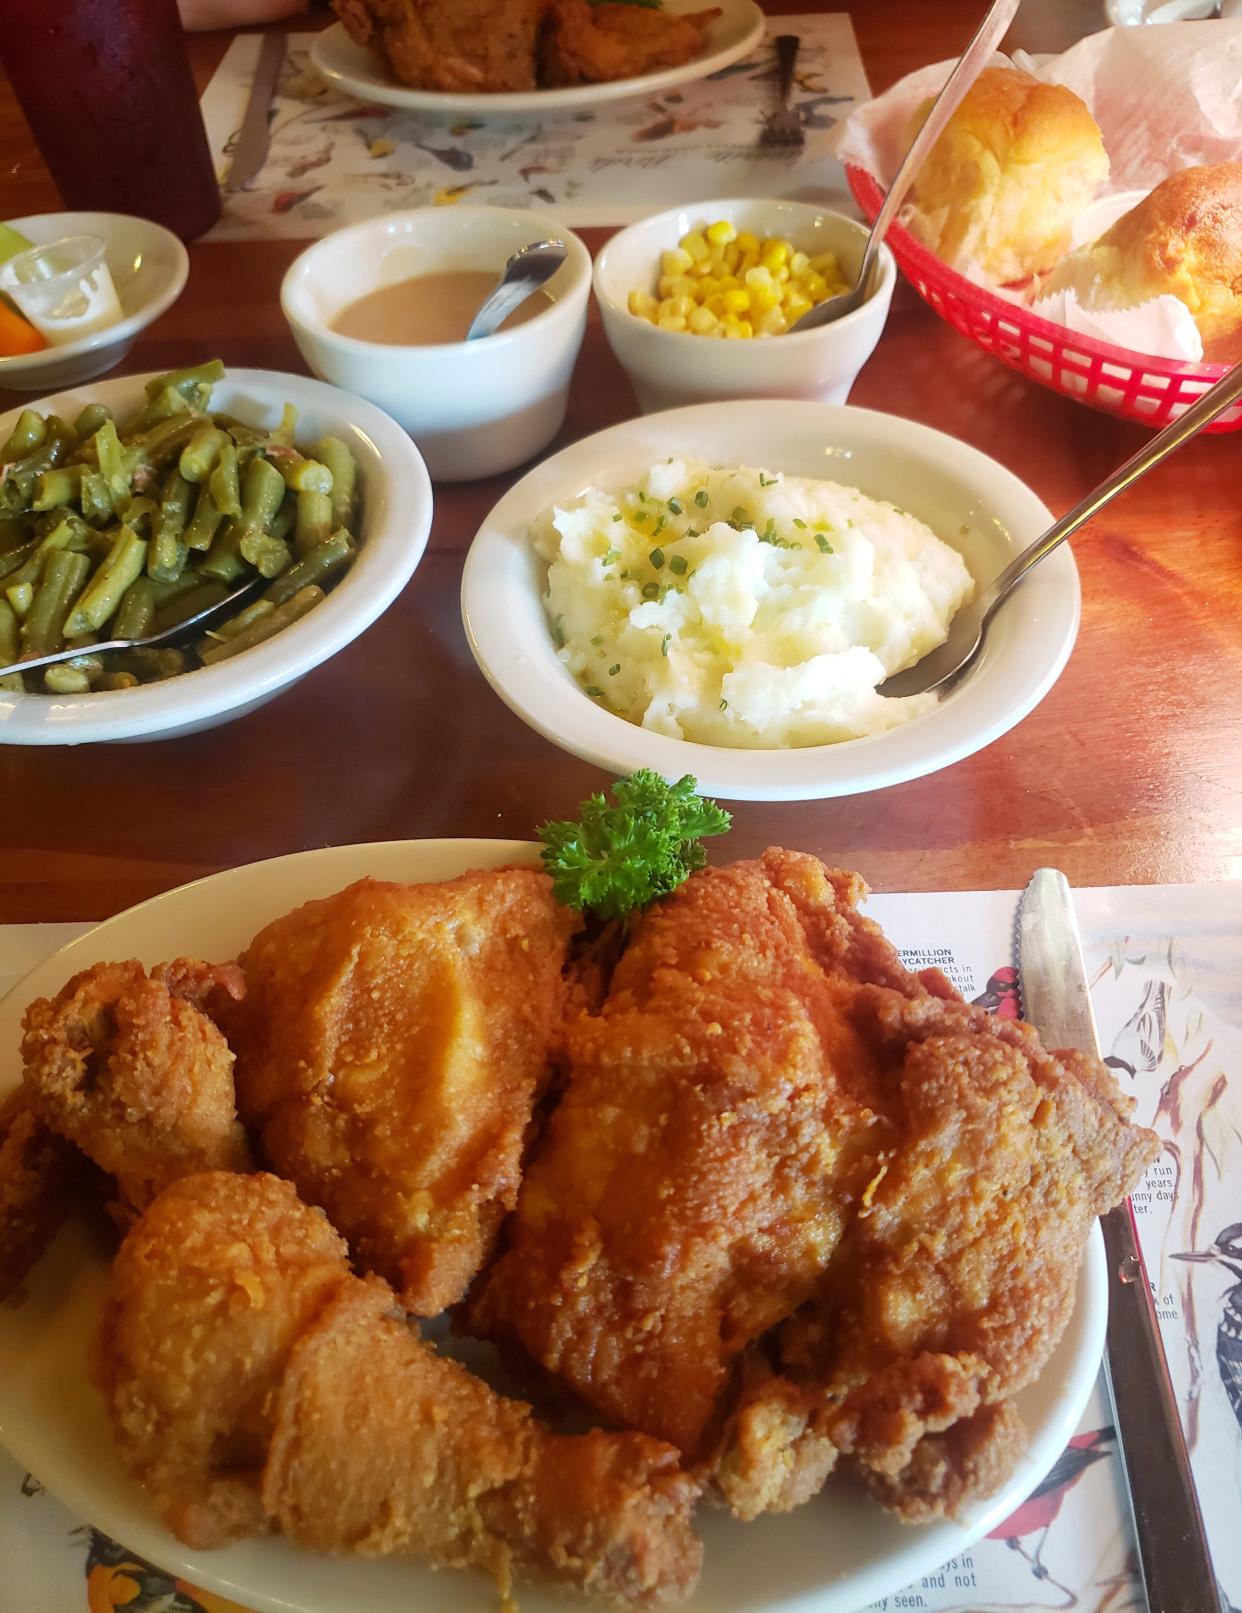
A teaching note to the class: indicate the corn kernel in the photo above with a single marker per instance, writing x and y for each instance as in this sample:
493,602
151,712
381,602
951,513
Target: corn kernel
758,277
701,321
696,245
747,262
671,322
682,307
664,285
642,304
746,242
799,263
772,323
764,296
733,332
721,232
675,262
794,306
815,286
736,302
826,264
731,256
715,305
775,254
781,274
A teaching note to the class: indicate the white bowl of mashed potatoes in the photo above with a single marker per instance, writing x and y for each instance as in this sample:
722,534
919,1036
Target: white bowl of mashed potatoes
719,590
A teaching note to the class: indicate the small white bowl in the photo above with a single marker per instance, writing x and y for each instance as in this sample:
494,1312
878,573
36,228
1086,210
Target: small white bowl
149,266
670,368
473,408
969,500
392,531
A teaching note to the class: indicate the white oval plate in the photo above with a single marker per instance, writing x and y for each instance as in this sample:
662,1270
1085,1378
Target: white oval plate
361,72
832,1556
966,498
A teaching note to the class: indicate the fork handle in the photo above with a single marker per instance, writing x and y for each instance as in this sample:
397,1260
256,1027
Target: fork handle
787,47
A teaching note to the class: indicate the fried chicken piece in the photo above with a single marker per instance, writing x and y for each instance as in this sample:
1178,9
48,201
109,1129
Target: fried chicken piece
210,1291
393,1042
456,45
693,1183
957,1276
40,1177
595,44
385,1448
253,1382
128,1069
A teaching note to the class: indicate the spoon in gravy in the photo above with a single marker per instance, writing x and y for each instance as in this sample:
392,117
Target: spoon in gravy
525,272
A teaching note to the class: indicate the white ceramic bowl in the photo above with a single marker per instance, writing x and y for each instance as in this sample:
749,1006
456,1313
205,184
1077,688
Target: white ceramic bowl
149,266
670,368
392,528
473,408
973,503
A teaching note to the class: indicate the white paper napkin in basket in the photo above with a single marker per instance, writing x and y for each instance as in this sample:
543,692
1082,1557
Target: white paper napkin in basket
1164,98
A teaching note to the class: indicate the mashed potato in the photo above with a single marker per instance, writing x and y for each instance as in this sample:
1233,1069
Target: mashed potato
742,607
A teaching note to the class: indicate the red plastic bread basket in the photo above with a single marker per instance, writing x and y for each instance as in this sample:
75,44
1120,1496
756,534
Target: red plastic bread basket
1152,391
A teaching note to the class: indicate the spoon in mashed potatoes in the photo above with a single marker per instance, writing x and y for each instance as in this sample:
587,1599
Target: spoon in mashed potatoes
946,663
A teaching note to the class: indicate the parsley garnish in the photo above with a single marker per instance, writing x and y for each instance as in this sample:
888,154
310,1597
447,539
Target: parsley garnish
616,859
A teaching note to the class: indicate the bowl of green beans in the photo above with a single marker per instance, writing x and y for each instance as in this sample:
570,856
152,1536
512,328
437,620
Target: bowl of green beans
131,506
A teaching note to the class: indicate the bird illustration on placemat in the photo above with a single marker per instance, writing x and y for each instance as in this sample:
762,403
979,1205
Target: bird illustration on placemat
1000,996
116,1579
1139,1046
1227,1252
1038,1512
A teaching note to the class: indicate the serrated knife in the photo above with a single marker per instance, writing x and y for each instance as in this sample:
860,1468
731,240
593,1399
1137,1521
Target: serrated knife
255,134
1174,1559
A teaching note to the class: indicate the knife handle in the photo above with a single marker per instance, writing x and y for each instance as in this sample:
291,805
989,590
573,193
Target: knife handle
1173,1550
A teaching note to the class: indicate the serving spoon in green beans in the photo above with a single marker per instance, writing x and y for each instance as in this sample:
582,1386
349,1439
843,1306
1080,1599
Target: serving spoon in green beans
166,637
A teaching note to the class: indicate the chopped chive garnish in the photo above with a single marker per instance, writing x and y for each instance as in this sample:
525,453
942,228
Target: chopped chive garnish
640,515
659,526
611,557
595,694
798,522
677,565
768,481
617,516
824,546
674,507
596,641
558,632
700,498
656,558
724,705
740,517
651,590
613,670
664,644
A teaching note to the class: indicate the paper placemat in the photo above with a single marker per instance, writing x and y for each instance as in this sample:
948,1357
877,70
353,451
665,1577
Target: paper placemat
1166,970
334,160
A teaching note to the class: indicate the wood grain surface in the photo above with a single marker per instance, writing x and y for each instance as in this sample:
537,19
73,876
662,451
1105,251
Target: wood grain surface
1128,772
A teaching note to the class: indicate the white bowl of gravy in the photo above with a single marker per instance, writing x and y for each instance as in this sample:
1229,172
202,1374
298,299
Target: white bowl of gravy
382,308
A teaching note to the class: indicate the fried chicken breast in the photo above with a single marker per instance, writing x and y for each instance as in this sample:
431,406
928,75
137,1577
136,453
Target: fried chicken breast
252,1382
393,1041
455,45
584,43
125,1066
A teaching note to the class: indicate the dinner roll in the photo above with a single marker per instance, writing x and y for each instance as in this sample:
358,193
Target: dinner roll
999,191
1184,238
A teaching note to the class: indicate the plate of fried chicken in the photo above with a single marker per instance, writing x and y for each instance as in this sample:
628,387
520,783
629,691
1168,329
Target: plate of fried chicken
527,57
708,1258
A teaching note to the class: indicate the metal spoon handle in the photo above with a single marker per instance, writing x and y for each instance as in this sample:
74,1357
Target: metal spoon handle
973,60
1213,402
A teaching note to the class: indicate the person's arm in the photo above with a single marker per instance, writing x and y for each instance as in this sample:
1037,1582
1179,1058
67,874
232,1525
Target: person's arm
199,15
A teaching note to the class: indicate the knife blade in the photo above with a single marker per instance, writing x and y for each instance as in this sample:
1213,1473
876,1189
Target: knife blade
250,148
1174,1558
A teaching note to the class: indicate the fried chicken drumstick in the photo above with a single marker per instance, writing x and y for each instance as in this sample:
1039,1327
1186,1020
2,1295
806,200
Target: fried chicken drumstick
129,1068
390,1048
253,1382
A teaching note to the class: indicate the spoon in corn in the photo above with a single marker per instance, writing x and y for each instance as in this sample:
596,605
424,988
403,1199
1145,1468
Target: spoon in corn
973,61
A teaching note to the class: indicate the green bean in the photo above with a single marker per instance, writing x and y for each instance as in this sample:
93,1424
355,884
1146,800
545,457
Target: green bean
97,501
163,663
60,486
167,555
199,598
205,522
20,597
22,474
301,475
66,679
31,567
199,456
314,521
12,535
140,514
319,566
106,589
268,555
112,461
10,634
223,561
190,381
25,437
282,436
162,406
262,493
134,613
285,518
164,591
152,450
16,559
47,618
236,624
337,456
113,681
283,616
90,420
223,483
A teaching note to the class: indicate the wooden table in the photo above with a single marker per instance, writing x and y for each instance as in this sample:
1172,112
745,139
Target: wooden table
1128,771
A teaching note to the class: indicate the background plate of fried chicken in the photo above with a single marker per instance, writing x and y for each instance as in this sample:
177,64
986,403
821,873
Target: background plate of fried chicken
517,58
787,1203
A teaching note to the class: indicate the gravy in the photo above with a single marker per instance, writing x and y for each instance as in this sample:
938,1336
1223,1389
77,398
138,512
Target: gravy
429,310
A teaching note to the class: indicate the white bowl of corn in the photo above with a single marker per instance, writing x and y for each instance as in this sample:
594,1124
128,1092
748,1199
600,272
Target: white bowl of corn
698,302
